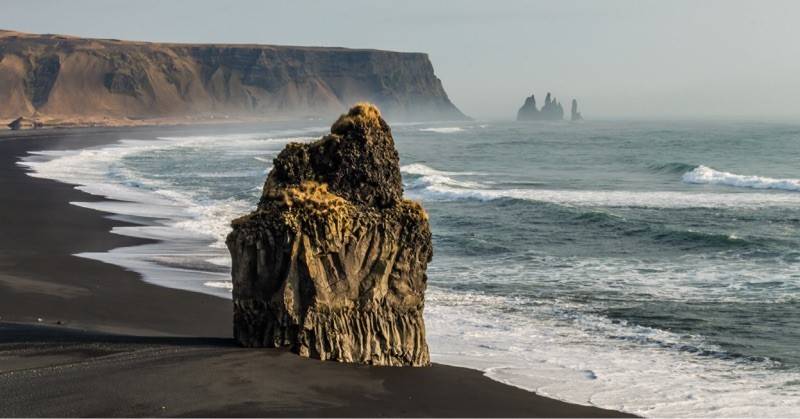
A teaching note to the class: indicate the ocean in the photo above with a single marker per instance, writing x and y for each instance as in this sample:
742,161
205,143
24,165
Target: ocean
650,267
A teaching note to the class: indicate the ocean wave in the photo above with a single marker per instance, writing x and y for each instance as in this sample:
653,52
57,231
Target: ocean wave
683,239
426,177
595,198
433,184
707,175
561,350
672,167
439,180
689,239
443,130
421,169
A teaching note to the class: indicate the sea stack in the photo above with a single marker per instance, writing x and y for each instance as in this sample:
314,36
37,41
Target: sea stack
528,111
574,114
551,111
332,262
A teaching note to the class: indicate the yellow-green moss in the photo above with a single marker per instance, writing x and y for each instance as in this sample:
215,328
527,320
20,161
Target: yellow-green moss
311,208
362,114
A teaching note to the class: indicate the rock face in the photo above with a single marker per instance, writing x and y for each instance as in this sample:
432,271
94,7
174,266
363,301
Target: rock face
332,262
24,123
551,111
574,114
528,111
54,76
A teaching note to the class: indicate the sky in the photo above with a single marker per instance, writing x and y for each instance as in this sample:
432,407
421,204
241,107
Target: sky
621,59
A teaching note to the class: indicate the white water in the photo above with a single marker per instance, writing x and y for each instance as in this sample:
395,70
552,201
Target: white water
707,175
192,228
439,185
558,350
561,352
443,130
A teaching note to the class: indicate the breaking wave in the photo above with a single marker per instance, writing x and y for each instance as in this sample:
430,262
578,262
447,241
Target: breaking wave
672,167
429,183
443,130
709,176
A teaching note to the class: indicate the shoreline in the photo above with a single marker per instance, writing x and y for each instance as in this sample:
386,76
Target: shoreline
55,123
172,349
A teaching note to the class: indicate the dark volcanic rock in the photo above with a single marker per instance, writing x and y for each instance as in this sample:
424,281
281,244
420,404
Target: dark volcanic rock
528,111
574,114
41,78
332,262
24,123
551,111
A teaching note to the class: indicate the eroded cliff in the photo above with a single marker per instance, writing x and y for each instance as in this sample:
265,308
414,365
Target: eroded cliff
332,262
51,76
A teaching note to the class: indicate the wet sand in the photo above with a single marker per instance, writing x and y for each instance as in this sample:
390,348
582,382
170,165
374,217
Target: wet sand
82,338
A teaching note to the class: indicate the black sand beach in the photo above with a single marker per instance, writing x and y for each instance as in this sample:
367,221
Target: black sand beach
83,338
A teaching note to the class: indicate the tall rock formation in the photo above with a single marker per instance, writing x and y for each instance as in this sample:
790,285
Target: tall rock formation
528,111
332,262
551,111
574,115
53,77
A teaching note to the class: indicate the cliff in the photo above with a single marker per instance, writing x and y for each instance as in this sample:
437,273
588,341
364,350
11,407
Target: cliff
332,262
551,111
53,77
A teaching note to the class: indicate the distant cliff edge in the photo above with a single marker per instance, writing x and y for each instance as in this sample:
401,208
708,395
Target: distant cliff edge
52,78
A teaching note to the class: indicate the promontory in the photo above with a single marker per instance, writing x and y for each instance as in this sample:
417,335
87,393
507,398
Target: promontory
62,80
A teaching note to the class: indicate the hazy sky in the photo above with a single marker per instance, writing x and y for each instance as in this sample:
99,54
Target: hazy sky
620,59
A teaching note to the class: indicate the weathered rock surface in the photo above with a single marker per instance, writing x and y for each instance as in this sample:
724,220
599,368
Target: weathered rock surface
24,123
332,262
551,111
53,76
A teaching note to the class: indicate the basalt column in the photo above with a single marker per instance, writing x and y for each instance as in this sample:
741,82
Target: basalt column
332,262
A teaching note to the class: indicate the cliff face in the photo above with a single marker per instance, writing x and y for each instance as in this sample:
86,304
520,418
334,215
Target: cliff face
58,76
332,262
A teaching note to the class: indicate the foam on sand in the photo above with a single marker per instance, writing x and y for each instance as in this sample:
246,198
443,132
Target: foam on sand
183,220
563,352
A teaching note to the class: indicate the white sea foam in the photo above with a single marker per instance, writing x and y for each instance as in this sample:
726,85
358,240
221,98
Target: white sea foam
421,169
219,284
431,177
443,130
182,218
554,349
441,185
562,352
663,199
707,175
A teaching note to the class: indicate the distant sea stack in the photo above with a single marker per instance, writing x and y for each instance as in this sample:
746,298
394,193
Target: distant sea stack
574,115
551,111
51,77
333,261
